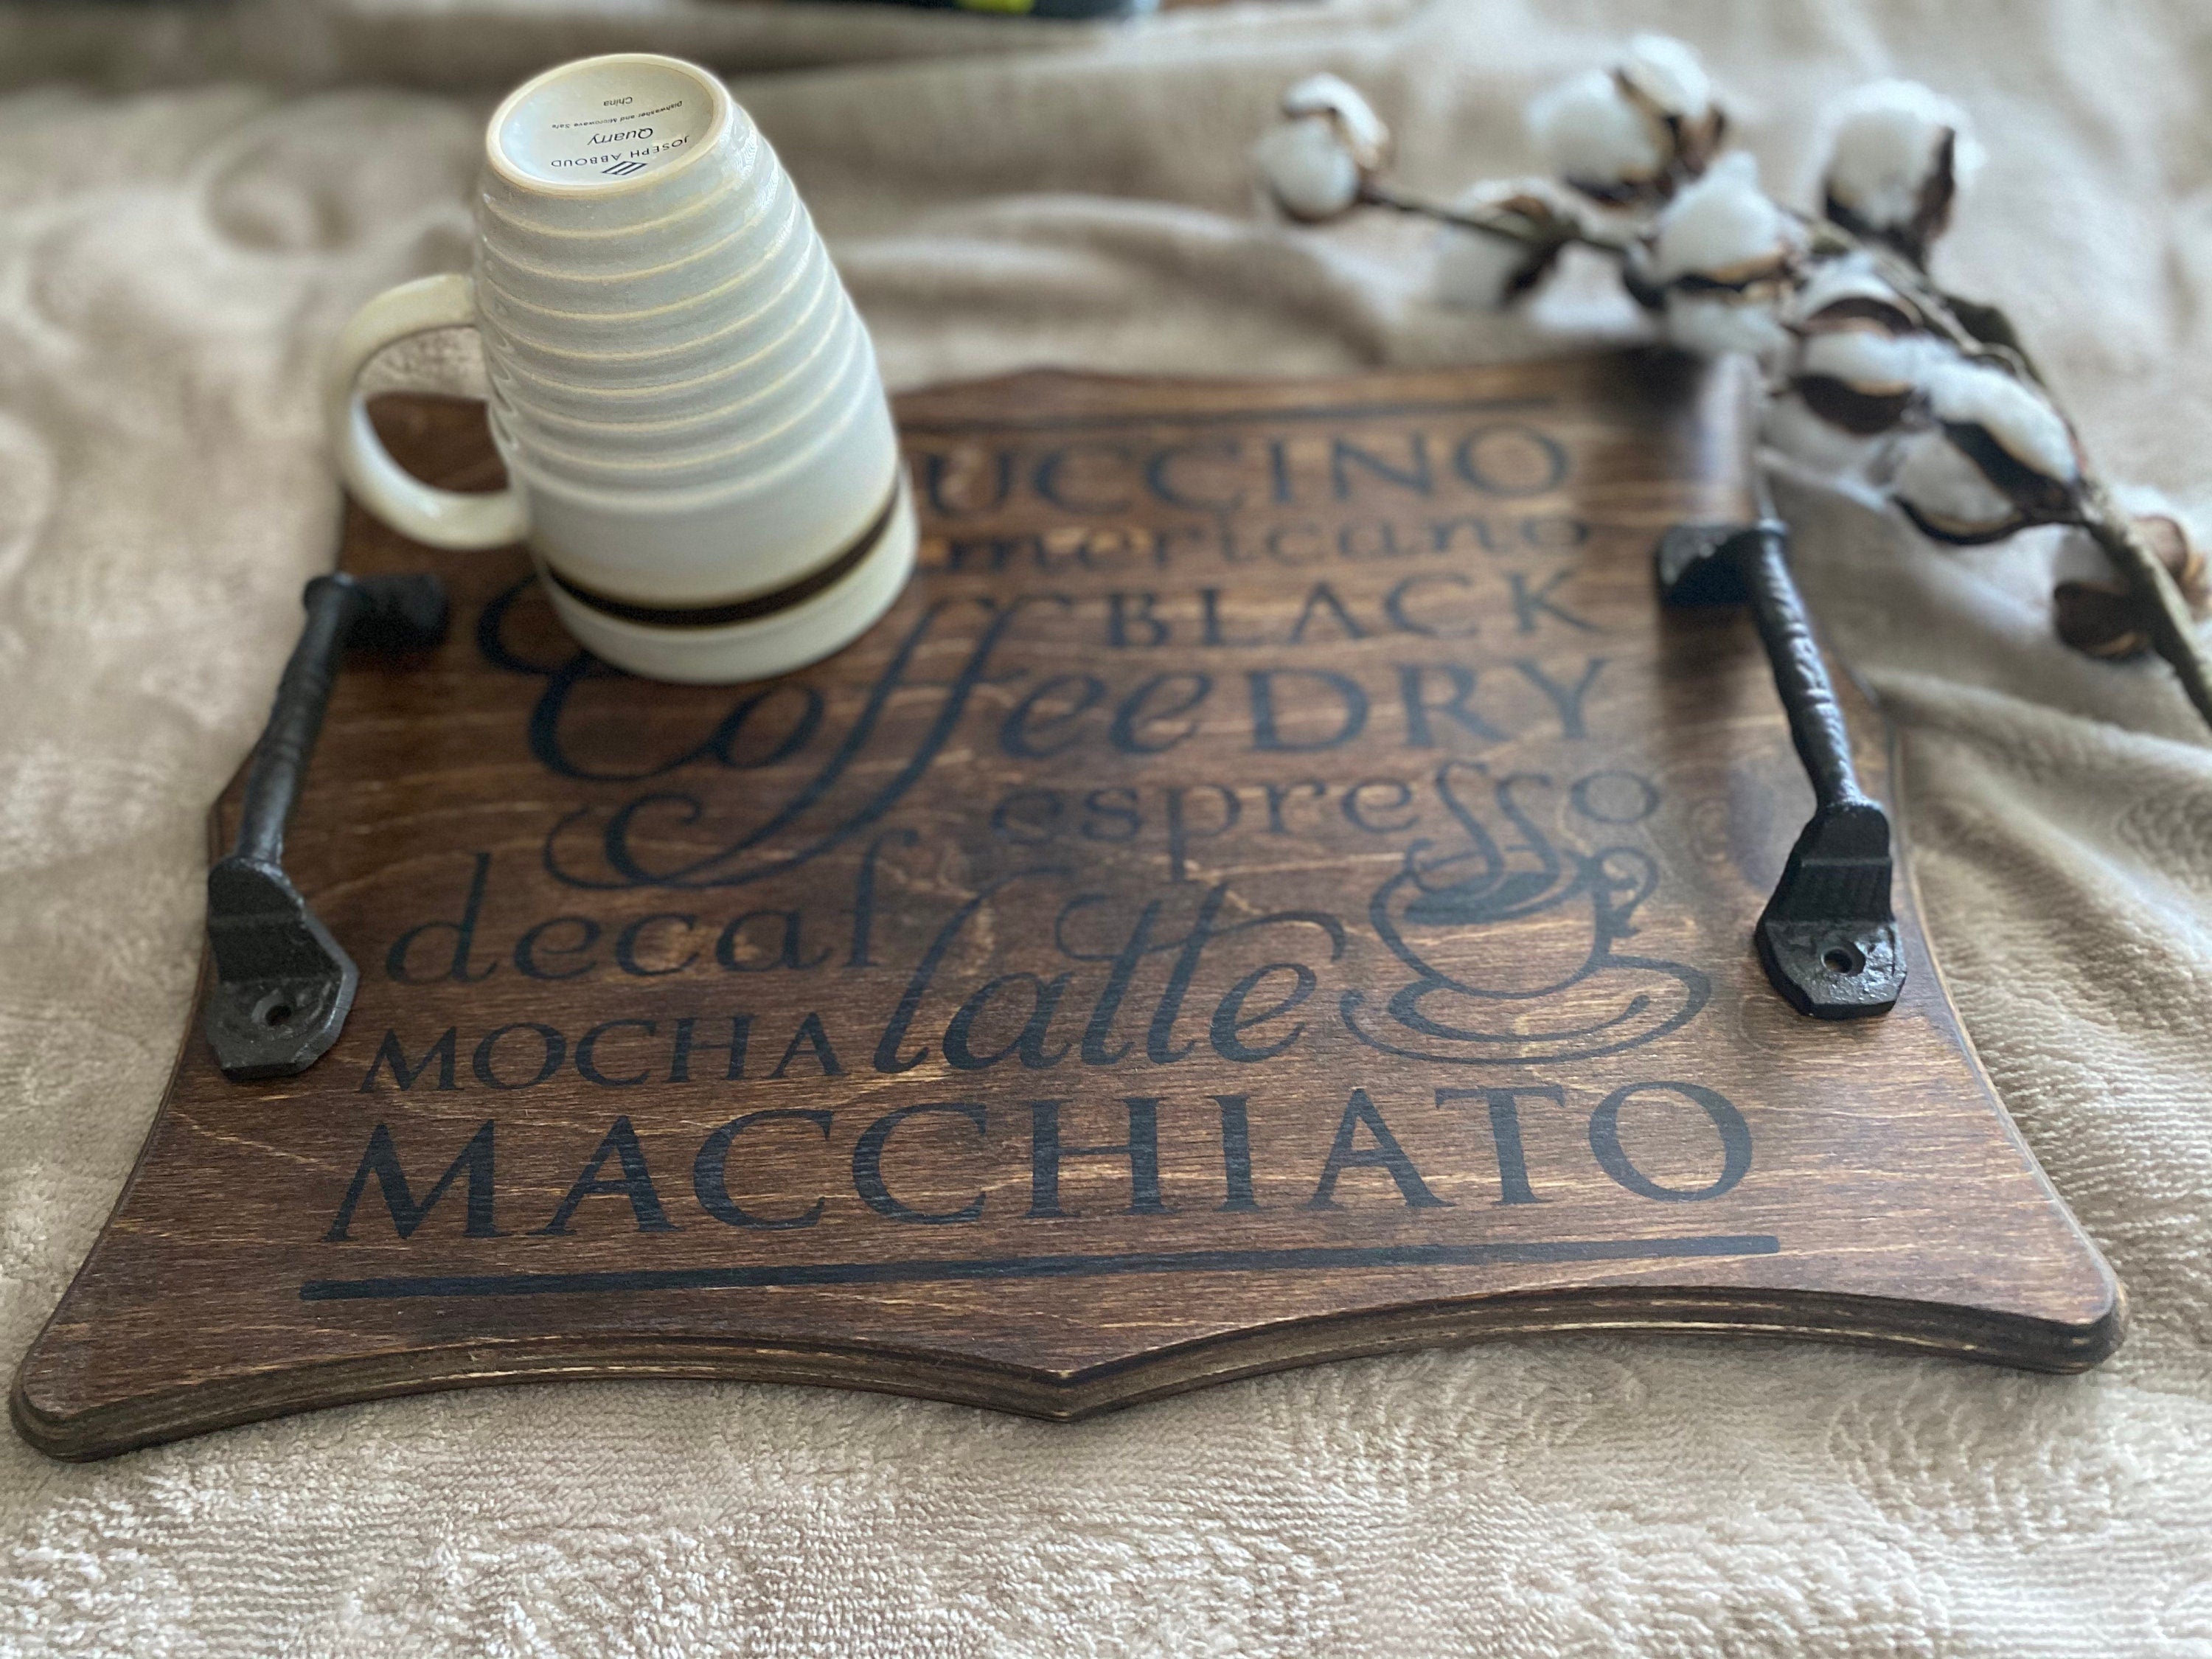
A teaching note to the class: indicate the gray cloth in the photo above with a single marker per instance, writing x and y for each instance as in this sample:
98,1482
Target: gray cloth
172,261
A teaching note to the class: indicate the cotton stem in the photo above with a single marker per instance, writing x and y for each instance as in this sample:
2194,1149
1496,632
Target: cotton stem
1495,220
2172,629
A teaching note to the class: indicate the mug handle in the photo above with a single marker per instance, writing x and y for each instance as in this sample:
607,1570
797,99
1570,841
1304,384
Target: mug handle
442,518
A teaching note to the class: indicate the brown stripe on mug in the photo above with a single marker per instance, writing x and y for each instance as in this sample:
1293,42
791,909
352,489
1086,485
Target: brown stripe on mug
737,610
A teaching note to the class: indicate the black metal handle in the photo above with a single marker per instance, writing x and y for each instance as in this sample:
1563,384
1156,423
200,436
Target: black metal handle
295,718
1828,936
283,985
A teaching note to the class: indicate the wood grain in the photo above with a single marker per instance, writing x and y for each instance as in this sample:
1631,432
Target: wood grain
1294,788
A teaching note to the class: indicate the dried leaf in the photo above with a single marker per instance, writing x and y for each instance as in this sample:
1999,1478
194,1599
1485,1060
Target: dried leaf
2107,619
2098,621
1931,215
1990,326
1532,274
1695,142
2183,559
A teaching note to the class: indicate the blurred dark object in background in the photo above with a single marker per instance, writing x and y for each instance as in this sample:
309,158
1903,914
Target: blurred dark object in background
1053,9
1064,10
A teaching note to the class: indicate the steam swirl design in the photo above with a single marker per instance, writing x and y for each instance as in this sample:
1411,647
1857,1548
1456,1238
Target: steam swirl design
1529,934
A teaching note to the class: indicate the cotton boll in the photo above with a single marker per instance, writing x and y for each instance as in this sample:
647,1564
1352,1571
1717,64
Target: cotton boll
1949,497
1634,132
1713,326
1666,79
1479,271
1476,270
1853,276
1885,147
1667,74
1724,227
1823,448
1867,360
1591,134
2010,410
1359,129
2021,443
1850,292
1307,170
2096,609
1862,380
1899,154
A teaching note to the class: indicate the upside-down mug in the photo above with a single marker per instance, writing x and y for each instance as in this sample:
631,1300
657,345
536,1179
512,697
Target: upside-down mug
698,447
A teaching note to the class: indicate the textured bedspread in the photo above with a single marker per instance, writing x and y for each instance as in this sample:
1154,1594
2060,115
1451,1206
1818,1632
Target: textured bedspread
191,202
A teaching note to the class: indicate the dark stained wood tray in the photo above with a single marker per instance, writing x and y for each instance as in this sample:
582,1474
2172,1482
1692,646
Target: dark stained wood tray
1277,887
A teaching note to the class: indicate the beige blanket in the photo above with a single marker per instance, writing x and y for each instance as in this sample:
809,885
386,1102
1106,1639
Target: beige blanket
173,256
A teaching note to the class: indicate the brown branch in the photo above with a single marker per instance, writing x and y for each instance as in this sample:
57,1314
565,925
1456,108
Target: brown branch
2172,629
1497,220
2172,626
1990,338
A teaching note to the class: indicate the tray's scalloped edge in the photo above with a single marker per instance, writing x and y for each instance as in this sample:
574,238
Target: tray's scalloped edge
1914,1328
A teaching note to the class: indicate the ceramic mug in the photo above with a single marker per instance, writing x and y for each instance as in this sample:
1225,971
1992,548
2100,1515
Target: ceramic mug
698,447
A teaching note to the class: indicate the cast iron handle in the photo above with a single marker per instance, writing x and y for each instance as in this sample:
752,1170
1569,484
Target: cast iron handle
1828,936
282,984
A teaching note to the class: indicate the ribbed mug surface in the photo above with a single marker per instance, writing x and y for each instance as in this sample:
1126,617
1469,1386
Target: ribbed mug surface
665,334
698,448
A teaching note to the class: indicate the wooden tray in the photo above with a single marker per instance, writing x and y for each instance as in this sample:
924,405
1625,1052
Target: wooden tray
1277,887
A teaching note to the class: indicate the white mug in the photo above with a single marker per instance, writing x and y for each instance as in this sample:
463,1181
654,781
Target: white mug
698,447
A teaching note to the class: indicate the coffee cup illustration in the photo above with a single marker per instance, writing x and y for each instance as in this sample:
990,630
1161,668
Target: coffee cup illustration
698,446
1515,943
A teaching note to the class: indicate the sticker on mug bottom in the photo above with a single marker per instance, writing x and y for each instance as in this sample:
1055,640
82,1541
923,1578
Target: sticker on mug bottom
606,122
